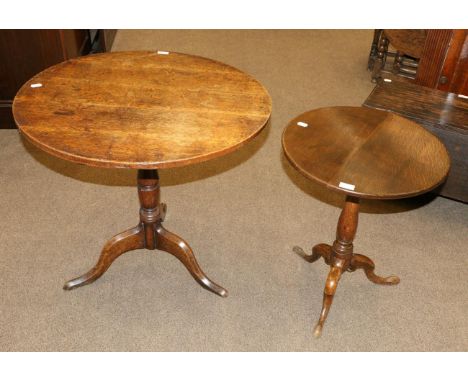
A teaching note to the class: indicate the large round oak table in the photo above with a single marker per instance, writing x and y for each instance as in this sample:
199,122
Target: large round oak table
142,110
361,153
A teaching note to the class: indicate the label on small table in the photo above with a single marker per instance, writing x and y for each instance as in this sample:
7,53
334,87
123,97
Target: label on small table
346,186
387,80
36,85
302,124
163,52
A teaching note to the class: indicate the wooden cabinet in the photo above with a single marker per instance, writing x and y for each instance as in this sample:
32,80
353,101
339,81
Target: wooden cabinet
24,53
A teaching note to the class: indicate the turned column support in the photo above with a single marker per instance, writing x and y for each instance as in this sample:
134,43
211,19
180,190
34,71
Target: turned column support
345,232
149,195
379,62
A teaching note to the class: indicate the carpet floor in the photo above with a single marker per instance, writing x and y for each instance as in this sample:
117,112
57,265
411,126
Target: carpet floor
242,214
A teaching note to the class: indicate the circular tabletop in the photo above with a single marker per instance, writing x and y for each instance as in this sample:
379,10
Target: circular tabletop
141,109
364,152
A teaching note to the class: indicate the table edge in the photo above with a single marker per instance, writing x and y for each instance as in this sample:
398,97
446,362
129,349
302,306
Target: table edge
140,165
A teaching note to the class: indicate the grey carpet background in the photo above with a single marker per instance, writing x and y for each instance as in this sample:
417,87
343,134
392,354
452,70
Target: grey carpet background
241,214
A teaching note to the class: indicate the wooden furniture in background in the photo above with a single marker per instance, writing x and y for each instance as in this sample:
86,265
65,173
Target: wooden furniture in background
435,58
444,61
362,153
408,44
105,39
24,53
443,114
142,110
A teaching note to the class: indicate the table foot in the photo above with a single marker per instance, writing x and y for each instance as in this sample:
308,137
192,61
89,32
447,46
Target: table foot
363,262
119,244
173,244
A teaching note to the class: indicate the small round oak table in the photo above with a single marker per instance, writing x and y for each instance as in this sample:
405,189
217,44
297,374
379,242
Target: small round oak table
145,111
362,153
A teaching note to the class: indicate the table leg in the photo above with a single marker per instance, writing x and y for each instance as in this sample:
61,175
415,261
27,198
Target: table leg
363,262
119,244
330,287
173,244
341,258
149,234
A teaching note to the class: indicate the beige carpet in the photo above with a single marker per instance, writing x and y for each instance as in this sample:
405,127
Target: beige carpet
242,214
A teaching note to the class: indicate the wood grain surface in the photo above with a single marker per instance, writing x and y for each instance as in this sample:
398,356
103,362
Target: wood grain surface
441,113
383,155
424,105
141,110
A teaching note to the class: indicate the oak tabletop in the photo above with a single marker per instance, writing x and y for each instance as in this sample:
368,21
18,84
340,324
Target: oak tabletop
142,109
364,152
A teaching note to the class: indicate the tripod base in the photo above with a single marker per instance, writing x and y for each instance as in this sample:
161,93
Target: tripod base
149,234
340,258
